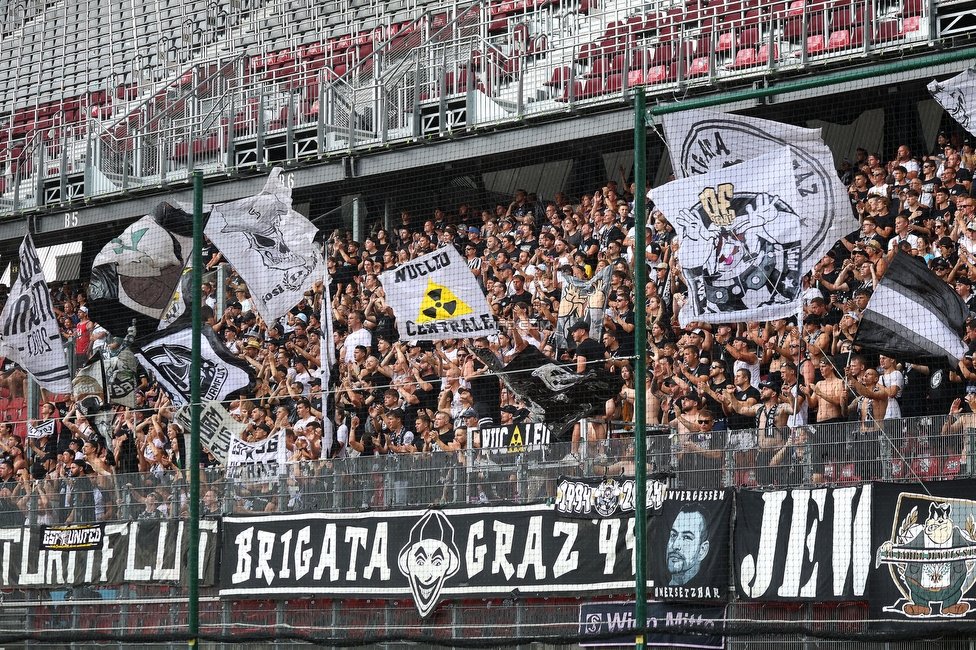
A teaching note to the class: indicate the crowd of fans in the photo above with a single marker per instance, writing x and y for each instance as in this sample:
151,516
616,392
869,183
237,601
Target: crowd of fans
387,396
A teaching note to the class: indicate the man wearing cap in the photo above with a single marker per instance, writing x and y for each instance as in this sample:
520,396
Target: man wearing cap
588,353
771,413
964,287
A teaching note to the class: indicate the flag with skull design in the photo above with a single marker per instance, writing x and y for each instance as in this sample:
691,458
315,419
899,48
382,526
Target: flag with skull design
270,245
740,240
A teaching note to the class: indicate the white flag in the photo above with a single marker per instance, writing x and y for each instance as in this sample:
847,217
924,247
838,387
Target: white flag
739,234
217,428
270,245
436,296
31,336
701,141
256,460
958,97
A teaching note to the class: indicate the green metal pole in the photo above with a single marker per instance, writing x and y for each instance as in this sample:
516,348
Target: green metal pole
640,371
193,556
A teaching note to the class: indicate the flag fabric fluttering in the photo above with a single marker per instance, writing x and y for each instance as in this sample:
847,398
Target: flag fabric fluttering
583,300
958,97
31,336
552,393
115,378
739,233
134,275
256,460
269,245
914,316
436,297
701,141
167,354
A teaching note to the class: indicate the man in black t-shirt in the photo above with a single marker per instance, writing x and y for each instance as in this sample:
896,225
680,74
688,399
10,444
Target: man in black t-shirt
589,353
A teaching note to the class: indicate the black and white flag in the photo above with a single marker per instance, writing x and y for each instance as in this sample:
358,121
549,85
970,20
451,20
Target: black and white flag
114,379
270,245
167,354
701,141
257,460
31,336
217,428
40,429
958,96
914,315
553,394
134,275
740,240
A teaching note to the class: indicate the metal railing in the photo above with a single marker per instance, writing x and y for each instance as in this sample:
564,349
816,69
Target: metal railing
911,449
475,67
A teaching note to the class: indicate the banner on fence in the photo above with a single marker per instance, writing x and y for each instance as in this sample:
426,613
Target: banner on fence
923,555
803,544
110,554
609,496
436,554
671,625
516,437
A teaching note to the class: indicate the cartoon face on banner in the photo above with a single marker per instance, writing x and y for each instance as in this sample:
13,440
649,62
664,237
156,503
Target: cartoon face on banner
741,250
429,558
931,556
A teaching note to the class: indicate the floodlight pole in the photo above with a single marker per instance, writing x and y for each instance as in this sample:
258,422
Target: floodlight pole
193,466
640,371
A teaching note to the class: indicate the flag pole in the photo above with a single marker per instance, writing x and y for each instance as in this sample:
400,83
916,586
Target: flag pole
640,372
193,556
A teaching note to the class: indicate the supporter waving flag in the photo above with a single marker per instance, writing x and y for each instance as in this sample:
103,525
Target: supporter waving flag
914,315
740,239
31,336
270,245
134,275
701,141
958,96
167,355
436,297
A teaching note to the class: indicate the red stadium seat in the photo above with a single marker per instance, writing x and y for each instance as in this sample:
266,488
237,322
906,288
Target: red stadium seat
744,58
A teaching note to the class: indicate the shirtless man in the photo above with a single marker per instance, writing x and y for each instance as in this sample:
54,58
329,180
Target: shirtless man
829,397
771,413
865,441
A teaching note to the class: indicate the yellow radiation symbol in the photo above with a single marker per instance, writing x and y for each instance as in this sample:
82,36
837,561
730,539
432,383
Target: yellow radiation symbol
440,302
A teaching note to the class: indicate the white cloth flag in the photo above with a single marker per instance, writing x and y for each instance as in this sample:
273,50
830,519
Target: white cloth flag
436,296
270,245
31,336
217,428
739,240
701,141
958,97
256,460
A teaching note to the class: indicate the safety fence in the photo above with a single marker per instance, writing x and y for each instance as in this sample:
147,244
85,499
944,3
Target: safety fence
910,449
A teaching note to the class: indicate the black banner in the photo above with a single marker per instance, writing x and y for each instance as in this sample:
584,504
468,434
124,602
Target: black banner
64,538
924,555
136,552
589,498
803,544
670,625
466,553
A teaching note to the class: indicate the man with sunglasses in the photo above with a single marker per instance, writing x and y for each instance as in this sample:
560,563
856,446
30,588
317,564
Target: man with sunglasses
701,454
